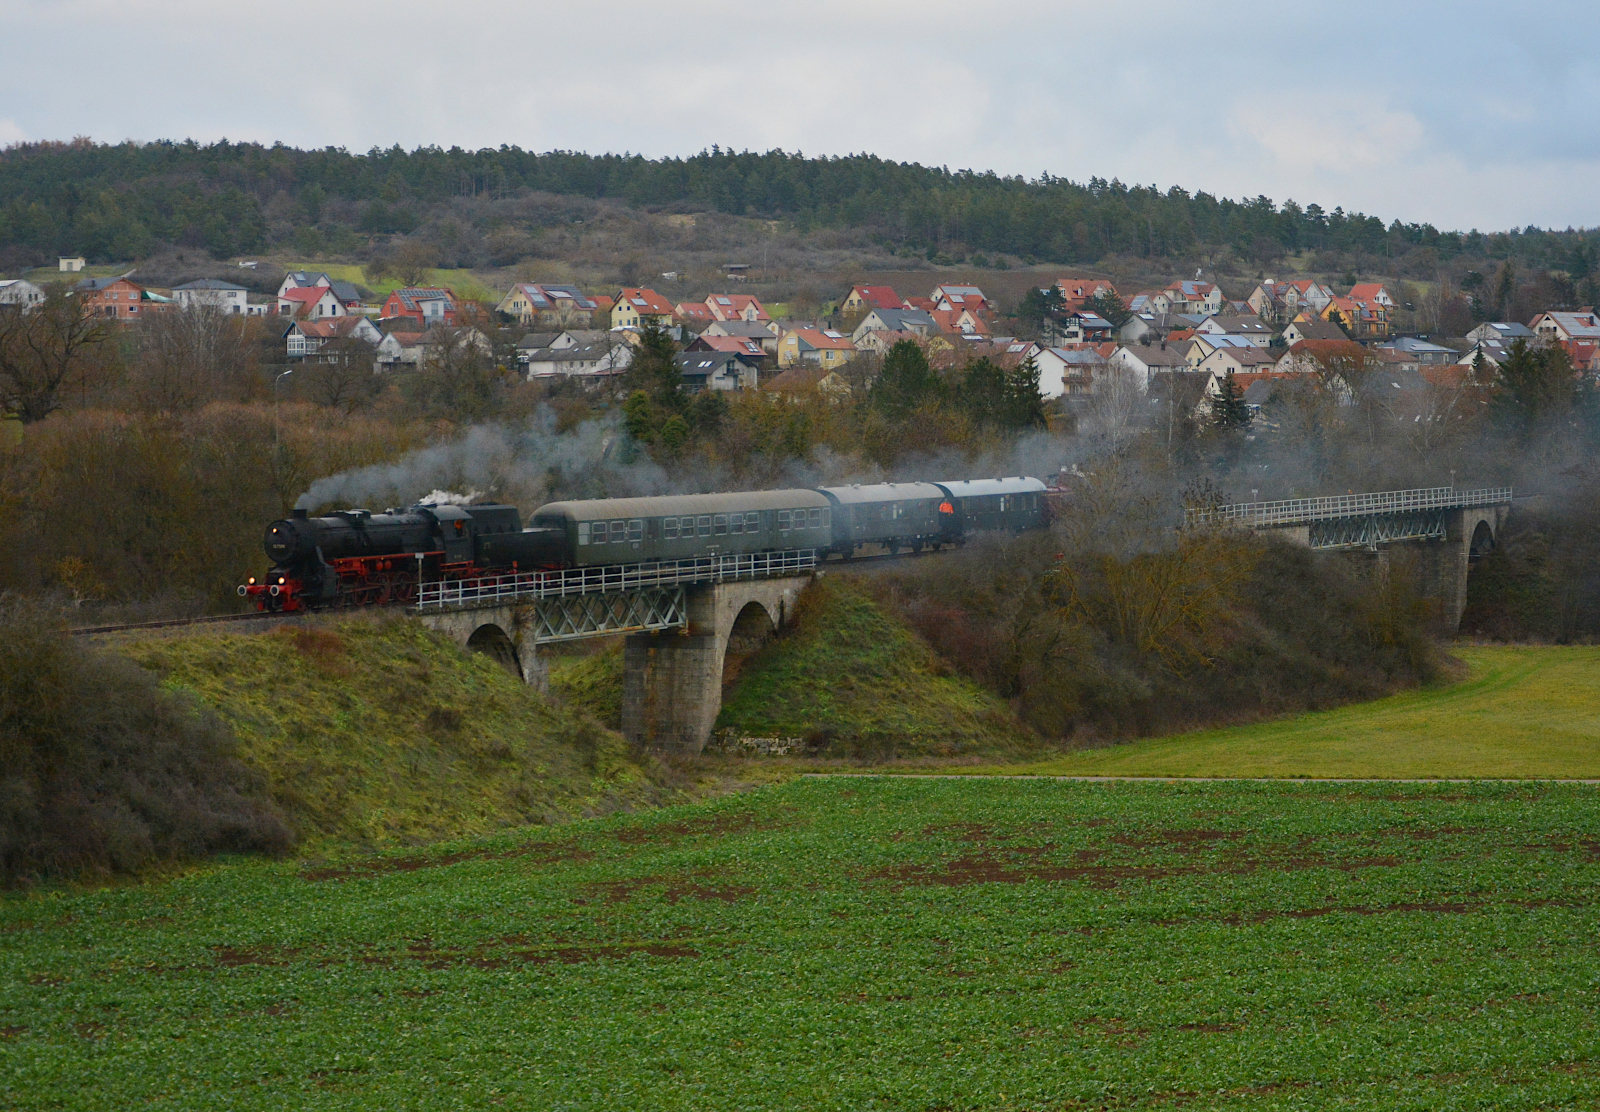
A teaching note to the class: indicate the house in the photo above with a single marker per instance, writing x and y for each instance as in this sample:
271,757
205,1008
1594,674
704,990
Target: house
736,306
821,346
861,299
304,338
634,308
1419,351
302,280
594,359
808,381
1490,353
532,342
1310,357
742,346
736,272
1564,328
1226,324
549,305
1144,360
693,313
69,264
1084,326
120,298
1075,291
433,305
1198,298
1204,343
916,321
1317,329
1504,332
209,292
717,370
312,303
764,333
1236,360
1068,370
956,295
1363,320
1372,293
880,340
404,341
20,292
926,304
1281,302
1151,301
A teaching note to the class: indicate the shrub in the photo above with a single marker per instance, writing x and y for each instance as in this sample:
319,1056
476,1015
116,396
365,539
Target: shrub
105,771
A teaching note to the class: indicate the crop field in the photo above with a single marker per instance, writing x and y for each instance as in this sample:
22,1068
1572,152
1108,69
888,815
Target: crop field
853,944
1520,712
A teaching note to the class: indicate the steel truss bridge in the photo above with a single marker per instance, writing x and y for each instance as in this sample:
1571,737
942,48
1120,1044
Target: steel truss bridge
1357,520
613,598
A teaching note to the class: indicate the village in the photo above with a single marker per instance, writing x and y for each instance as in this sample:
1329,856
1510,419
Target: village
1084,336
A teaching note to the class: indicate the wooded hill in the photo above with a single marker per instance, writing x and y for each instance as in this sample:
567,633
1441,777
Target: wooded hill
118,202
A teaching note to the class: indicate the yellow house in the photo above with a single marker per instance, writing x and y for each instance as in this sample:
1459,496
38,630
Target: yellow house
634,308
821,347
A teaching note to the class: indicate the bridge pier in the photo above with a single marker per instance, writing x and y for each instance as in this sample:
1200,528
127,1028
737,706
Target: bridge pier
673,679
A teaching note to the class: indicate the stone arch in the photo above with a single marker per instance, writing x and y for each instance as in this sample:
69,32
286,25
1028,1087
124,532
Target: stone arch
750,631
495,643
1482,542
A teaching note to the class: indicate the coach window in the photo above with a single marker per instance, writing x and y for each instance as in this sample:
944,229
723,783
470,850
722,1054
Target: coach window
636,530
783,521
583,532
736,523
704,525
814,519
719,524
669,528
617,533
752,523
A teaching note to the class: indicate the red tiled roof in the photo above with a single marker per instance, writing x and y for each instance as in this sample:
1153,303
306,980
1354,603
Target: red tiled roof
878,297
647,302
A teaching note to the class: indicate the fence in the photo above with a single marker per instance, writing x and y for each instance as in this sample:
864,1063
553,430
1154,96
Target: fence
613,578
1299,511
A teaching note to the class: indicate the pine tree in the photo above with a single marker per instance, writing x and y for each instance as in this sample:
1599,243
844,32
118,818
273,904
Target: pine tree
1229,412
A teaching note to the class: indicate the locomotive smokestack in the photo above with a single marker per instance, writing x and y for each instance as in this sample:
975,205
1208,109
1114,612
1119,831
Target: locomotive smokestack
300,513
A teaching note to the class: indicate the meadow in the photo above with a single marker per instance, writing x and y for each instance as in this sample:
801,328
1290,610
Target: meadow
1519,712
853,944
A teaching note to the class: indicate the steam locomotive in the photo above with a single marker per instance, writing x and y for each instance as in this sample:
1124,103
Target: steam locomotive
358,558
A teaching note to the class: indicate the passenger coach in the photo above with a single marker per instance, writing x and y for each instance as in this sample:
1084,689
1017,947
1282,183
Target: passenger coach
684,526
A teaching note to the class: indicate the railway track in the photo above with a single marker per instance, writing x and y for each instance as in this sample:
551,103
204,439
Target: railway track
858,563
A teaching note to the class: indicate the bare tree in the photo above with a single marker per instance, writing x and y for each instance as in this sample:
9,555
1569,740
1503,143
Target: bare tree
1112,413
343,378
188,357
41,348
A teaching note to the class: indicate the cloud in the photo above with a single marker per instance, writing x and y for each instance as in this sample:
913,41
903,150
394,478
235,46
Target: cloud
11,132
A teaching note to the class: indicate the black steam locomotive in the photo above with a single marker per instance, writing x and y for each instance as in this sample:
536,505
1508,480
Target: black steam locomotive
358,558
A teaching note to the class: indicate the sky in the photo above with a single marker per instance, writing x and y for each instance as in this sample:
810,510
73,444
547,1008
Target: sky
1465,114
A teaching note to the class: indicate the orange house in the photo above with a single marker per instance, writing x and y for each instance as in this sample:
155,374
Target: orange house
120,298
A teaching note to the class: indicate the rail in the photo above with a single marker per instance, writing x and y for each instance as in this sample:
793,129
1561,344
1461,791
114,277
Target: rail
1299,511
613,578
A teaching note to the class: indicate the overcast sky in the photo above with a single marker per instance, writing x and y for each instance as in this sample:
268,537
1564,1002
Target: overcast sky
1466,114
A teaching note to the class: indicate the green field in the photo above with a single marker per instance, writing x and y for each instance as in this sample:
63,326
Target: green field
868,944
1520,713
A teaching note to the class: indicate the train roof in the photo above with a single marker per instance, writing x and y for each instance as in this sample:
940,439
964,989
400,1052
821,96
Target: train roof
881,492
967,488
671,505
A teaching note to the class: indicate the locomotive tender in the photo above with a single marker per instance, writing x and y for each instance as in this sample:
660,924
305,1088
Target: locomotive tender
358,558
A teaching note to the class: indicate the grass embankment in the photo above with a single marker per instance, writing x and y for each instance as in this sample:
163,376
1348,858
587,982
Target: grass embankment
883,944
847,676
1521,712
463,282
378,731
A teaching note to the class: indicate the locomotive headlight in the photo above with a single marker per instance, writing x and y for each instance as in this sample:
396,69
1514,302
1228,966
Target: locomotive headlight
280,580
251,581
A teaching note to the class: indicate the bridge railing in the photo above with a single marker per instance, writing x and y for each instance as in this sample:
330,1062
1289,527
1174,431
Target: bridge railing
1298,511
613,578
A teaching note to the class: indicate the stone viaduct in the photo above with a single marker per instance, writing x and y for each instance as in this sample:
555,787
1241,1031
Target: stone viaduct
1447,529
681,641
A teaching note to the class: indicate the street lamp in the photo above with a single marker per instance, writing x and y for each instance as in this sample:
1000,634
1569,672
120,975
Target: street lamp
276,436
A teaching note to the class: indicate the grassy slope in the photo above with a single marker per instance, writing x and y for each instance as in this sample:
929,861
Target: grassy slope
377,731
847,672
1522,712
884,944
592,682
464,282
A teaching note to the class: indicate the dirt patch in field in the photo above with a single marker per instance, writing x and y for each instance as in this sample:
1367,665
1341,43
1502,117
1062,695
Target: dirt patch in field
89,1030
693,887
739,822
12,1032
491,956
536,853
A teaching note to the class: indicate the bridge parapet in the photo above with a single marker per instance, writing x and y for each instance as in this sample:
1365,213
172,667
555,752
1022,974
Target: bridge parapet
1304,511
